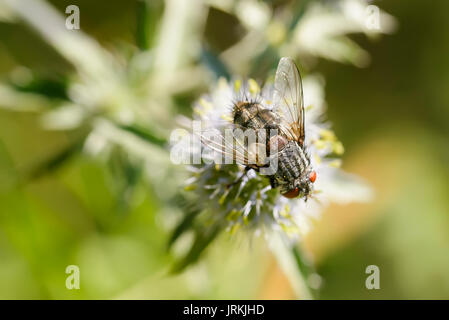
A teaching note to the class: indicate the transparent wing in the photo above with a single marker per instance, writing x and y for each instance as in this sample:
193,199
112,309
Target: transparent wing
233,146
288,99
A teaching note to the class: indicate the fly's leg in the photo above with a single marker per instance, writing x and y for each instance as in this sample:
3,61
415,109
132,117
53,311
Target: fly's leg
274,184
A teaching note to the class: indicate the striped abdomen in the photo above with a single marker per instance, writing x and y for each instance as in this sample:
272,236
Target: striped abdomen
292,164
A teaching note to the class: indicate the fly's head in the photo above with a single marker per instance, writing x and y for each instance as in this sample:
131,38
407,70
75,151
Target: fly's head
302,186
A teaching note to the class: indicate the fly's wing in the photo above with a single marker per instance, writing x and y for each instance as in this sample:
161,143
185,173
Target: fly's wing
233,146
288,100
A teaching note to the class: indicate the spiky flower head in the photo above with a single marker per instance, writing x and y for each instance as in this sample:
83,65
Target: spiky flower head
234,198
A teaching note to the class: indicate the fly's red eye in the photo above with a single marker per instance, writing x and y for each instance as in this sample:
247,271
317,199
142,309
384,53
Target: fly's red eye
312,176
292,193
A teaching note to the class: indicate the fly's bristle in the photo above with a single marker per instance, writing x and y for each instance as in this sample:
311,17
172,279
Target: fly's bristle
245,96
241,106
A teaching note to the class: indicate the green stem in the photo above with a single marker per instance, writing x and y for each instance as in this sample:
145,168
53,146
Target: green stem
287,258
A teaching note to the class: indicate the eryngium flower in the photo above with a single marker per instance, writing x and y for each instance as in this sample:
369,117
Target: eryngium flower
234,199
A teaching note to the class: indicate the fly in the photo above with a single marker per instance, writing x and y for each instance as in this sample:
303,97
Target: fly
294,175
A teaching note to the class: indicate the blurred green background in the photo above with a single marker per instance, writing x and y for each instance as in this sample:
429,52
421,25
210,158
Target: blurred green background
60,206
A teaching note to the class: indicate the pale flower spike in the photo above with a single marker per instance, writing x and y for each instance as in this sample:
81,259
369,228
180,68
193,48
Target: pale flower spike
251,203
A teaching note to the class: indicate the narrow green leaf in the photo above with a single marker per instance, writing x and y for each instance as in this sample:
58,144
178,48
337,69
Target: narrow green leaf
57,160
144,133
203,238
50,88
186,224
299,8
148,13
210,60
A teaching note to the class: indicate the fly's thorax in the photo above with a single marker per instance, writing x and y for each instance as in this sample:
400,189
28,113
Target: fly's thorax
251,115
